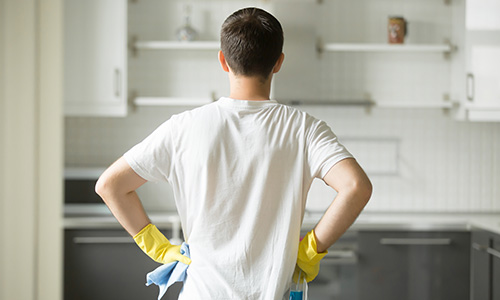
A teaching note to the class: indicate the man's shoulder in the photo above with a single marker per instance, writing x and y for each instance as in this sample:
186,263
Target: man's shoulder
194,112
300,115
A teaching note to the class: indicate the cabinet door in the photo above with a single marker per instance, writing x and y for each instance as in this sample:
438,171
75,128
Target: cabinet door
483,59
95,43
414,265
480,266
495,272
107,264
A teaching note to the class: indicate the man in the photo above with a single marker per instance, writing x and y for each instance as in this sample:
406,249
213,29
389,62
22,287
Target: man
240,169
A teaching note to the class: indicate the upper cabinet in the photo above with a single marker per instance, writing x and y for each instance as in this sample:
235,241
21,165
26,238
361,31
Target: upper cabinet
95,42
476,69
336,52
341,52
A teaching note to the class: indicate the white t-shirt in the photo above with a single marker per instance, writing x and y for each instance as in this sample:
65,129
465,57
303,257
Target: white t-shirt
240,171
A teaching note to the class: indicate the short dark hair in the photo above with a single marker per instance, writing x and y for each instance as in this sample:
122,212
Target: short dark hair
252,42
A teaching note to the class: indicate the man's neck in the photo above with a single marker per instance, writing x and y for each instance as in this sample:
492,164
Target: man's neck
249,88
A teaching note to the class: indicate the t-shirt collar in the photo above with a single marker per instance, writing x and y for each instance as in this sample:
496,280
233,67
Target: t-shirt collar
229,102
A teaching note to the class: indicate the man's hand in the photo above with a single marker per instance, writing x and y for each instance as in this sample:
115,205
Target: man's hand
308,258
156,246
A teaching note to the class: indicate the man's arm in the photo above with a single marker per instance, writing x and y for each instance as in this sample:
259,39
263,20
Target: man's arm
117,186
353,192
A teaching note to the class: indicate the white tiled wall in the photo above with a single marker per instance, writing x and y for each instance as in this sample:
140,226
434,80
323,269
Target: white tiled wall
417,159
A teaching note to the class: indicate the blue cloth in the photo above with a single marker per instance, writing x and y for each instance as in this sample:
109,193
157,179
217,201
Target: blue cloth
166,275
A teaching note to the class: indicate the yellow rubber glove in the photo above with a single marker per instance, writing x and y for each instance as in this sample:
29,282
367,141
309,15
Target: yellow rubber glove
308,258
156,246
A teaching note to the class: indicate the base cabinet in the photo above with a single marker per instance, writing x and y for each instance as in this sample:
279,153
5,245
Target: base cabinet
485,266
107,264
414,265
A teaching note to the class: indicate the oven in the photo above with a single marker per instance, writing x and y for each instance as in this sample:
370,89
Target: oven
338,275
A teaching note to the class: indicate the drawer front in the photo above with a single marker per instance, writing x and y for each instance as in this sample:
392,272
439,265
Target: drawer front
107,264
414,265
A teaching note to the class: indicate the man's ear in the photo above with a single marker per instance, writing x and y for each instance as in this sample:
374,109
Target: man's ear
278,64
223,62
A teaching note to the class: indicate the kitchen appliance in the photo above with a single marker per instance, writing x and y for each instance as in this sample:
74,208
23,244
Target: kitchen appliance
79,191
338,275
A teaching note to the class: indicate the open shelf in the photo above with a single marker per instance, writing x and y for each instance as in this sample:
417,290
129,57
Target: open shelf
171,101
198,101
176,45
402,104
365,47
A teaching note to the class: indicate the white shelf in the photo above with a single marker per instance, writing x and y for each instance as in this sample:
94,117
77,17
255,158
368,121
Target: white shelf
175,45
362,47
171,101
403,104
186,101
472,106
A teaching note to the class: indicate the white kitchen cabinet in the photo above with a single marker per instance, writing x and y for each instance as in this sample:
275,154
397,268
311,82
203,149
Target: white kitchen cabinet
477,78
95,61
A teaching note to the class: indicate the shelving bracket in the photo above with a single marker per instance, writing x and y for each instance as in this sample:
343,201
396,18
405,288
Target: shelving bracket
452,47
319,47
131,45
130,101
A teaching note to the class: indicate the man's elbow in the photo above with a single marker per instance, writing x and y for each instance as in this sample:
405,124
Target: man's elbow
103,187
363,189
367,190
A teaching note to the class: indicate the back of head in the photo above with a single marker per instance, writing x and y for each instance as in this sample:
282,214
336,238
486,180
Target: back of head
252,42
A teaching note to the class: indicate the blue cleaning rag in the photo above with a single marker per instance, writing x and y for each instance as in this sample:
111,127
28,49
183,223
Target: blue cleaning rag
166,275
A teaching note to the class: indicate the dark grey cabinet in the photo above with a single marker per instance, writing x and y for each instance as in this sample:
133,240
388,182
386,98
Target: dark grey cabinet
107,264
485,266
414,265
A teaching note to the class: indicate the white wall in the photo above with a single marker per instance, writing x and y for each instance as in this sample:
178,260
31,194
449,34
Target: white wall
418,159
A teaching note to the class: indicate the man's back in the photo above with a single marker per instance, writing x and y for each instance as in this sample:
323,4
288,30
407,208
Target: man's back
240,171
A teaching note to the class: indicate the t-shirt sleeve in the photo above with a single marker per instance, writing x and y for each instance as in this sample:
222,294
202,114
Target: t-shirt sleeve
323,149
152,158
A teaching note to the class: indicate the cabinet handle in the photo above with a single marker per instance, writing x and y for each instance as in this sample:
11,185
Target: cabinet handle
337,257
469,86
487,249
415,242
493,252
479,247
117,82
103,240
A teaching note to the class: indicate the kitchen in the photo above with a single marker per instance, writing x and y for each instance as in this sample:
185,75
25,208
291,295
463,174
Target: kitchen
406,114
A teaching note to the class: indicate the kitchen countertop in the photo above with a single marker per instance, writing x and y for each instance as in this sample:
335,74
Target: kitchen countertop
374,221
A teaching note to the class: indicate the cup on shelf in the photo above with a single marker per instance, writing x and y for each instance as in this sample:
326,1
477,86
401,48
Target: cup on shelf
397,29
